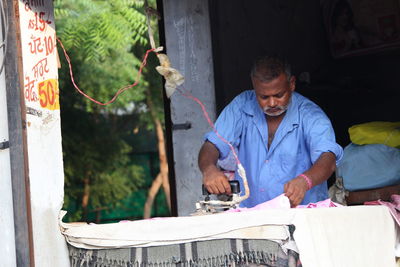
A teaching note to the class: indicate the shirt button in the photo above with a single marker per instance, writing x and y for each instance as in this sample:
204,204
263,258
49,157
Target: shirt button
266,161
262,189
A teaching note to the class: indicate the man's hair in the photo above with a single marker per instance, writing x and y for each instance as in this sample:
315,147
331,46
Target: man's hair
268,68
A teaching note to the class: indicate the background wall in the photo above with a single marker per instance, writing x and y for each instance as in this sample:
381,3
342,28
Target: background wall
242,32
188,43
350,90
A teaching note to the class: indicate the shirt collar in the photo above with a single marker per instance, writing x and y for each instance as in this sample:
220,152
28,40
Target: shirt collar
292,113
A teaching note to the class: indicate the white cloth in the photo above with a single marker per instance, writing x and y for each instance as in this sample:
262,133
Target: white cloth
360,236
174,230
346,236
173,78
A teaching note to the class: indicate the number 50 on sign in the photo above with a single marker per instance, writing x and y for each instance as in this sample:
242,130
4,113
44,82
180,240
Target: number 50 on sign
49,94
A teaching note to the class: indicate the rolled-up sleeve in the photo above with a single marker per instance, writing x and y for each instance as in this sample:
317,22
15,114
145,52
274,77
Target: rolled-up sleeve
228,126
320,135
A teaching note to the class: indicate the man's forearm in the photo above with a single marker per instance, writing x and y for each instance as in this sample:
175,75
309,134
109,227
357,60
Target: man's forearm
322,168
208,157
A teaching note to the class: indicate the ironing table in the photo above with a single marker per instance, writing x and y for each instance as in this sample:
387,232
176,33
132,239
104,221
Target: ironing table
343,236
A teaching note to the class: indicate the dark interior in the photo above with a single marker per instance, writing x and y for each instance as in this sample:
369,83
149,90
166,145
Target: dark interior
351,89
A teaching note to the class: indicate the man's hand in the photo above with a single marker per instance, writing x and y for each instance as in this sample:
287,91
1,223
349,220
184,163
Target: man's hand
318,173
216,182
295,190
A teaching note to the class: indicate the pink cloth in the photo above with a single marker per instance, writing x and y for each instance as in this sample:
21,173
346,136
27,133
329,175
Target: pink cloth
393,205
327,203
282,202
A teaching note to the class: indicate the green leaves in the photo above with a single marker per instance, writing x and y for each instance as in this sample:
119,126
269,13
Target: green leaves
106,41
100,27
94,150
101,35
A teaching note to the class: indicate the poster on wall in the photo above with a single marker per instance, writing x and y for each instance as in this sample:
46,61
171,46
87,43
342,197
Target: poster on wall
358,27
38,43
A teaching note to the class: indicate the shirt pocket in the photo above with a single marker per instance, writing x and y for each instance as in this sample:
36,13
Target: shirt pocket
290,164
293,164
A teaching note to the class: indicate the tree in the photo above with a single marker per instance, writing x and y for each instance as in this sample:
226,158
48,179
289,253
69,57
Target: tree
162,176
98,169
105,40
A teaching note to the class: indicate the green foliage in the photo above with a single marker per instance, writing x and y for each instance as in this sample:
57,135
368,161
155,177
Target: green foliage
106,41
100,27
99,36
94,150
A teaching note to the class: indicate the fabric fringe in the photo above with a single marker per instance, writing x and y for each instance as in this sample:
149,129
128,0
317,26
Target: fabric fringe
85,258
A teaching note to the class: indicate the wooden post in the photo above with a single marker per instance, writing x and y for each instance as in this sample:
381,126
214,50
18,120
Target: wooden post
188,44
18,140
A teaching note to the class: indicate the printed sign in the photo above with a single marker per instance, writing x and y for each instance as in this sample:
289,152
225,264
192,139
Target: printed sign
38,43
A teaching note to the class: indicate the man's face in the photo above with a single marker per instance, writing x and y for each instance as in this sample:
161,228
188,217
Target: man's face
274,96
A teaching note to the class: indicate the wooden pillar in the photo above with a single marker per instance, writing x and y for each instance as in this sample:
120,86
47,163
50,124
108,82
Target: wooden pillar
17,135
188,44
7,233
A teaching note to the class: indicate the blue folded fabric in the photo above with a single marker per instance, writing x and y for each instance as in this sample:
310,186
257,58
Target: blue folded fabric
369,166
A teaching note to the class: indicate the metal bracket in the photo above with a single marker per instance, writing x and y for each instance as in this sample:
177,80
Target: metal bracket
182,126
4,145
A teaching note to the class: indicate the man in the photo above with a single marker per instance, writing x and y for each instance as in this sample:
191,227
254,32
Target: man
284,141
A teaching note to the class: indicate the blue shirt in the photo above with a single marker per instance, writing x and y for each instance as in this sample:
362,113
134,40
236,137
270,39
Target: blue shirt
303,135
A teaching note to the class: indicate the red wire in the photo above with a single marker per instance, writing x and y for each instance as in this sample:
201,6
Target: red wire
120,91
205,113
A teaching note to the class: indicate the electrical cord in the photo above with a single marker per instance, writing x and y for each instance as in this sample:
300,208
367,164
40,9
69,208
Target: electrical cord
120,91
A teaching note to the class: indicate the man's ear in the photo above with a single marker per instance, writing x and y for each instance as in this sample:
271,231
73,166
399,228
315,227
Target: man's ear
292,83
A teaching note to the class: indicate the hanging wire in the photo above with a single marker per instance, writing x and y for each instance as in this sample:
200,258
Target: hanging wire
187,94
241,170
120,91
